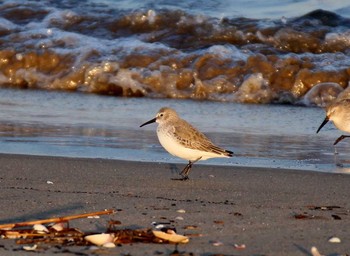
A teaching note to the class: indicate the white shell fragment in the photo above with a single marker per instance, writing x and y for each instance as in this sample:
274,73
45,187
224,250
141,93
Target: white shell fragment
334,239
181,211
173,237
40,228
160,226
58,227
93,217
239,246
109,245
217,243
100,239
30,248
315,252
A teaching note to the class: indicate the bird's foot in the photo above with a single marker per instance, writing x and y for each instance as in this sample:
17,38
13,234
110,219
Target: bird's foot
183,178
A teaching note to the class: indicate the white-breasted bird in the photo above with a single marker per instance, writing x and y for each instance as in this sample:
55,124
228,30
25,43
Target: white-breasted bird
181,139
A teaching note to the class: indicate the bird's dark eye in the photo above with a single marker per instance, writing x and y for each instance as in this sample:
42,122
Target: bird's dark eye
161,114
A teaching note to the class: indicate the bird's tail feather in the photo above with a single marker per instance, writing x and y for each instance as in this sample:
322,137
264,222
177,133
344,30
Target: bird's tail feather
228,153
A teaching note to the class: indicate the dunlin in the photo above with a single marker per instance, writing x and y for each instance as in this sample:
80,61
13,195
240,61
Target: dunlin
339,113
181,139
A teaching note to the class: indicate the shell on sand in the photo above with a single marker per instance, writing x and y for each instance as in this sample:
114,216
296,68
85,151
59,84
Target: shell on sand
100,239
173,237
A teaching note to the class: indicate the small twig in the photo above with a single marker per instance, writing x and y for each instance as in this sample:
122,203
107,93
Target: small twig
30,233
54,220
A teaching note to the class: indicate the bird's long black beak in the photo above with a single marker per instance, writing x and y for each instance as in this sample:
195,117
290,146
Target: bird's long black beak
323,123
149,122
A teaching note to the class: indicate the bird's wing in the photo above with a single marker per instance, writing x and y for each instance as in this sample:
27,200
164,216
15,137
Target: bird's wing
190,137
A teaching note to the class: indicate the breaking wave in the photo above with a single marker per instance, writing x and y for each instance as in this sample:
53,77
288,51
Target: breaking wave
172,53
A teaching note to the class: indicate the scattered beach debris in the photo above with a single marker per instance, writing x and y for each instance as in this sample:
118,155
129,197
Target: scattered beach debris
58,226
52,220
217,243
112,223
100,239
50,231
171,237
40,229
190,227
163,226
336,217
56,231
239,246
334,239
304,216
109,245
30,248
93,217
324,208
315,252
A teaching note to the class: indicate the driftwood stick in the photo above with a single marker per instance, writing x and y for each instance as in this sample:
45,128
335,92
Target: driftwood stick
55,220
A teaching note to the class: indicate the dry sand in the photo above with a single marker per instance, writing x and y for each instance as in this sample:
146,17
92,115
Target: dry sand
228,205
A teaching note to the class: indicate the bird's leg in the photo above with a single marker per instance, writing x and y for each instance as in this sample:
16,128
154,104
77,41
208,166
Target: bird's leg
187,169
340,138
335,149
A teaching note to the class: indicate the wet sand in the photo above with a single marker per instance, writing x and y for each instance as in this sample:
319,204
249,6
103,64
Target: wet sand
251,206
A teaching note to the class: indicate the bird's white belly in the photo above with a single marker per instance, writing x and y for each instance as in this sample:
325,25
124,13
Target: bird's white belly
176,149
342,124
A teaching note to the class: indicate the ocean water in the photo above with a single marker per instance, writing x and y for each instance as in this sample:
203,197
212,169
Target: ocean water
87,125
77,78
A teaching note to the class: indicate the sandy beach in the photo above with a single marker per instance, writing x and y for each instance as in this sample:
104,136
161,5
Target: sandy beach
271,212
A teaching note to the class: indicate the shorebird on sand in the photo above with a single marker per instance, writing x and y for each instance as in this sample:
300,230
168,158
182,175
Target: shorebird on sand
181,139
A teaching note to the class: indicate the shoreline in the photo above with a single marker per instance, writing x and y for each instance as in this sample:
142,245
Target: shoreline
261,163
258,207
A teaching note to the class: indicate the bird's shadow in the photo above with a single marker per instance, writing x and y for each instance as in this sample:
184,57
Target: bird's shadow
303,250
176,172
174,169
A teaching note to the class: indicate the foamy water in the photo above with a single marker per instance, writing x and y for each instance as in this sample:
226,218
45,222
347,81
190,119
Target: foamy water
203,50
